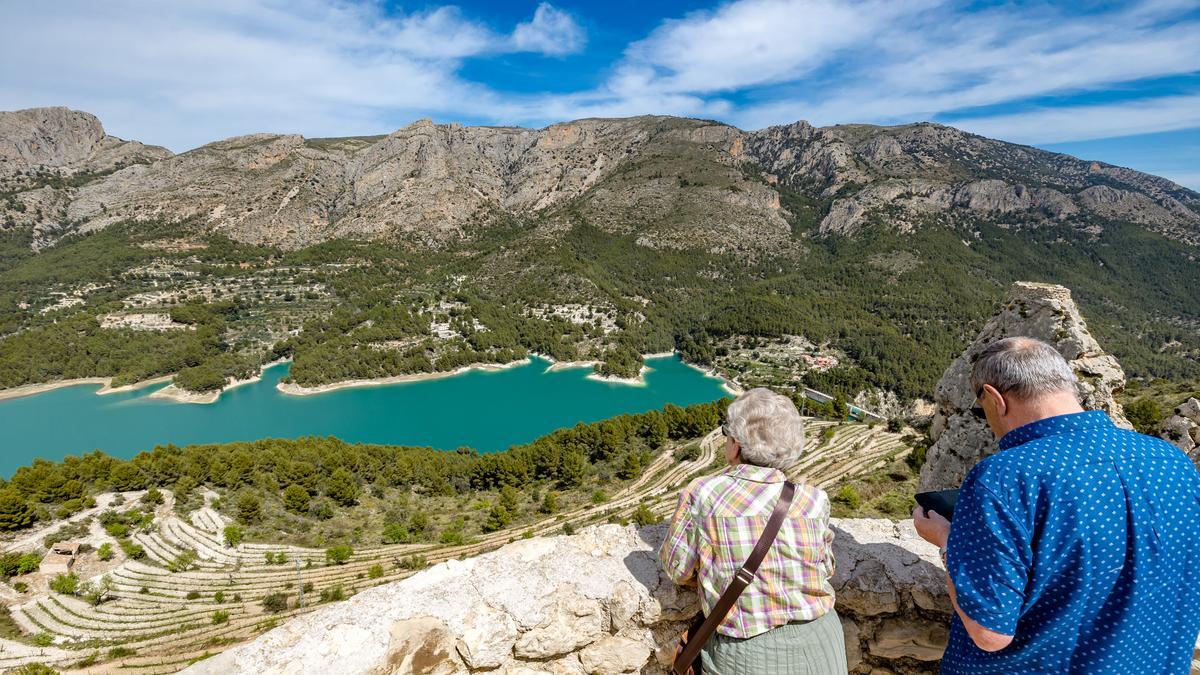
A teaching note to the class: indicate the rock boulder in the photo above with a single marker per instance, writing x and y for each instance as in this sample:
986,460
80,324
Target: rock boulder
594,602
1041,311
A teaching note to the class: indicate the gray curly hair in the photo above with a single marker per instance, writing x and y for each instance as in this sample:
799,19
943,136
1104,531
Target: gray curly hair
768,427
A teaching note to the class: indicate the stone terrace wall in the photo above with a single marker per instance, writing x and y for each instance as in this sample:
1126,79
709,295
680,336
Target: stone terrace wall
594,602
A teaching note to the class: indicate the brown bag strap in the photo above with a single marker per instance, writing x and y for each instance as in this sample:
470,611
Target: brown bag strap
740,581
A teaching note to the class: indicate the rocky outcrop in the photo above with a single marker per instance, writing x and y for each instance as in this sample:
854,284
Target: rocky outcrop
674,183
64,141
1041,311
1183,429
594,602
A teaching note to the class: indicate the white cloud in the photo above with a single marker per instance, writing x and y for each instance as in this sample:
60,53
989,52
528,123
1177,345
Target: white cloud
193,71
552,31
751,42
1086,122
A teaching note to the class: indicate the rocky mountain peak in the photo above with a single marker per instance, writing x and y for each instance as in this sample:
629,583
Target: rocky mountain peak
1043,311
676,182
64,140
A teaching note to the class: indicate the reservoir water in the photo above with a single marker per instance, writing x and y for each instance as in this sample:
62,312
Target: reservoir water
485,410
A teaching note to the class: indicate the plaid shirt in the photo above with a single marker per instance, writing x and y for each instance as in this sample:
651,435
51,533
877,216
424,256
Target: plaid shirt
717,523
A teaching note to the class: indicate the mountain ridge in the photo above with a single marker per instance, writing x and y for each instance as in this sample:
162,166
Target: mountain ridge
430,184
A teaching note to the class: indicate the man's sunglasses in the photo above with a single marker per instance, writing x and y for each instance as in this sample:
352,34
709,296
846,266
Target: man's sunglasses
977,410
725,430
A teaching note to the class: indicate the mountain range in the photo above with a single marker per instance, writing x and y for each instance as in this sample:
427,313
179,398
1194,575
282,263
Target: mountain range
883,246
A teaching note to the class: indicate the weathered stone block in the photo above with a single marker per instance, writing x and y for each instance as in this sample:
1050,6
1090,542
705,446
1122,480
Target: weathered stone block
910,637
614,654
487,637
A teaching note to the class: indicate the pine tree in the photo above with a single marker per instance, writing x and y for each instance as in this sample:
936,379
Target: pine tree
341,487
15,512
497,519
295,499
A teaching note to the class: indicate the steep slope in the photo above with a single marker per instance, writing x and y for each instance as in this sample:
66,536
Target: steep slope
431,184
927,173
678,183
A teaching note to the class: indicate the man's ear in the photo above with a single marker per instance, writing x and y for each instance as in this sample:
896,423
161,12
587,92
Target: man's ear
998,401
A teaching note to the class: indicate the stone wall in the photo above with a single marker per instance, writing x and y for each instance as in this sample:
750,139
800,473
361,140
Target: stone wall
1042,311
594,602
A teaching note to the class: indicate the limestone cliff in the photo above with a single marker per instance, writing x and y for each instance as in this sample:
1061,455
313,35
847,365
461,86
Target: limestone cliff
1183,429
673,182
594,602
1042,311
64,141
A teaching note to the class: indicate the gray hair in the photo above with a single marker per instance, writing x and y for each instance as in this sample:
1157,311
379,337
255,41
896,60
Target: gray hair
1024,367
768,427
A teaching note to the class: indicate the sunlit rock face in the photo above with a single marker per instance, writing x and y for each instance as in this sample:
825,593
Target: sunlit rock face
593,602
1042,311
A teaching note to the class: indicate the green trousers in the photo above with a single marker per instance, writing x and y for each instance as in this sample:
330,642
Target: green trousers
814,647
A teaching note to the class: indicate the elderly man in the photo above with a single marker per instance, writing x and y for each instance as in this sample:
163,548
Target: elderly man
1075,548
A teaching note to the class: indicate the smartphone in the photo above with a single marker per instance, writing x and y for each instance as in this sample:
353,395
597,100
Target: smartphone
941,501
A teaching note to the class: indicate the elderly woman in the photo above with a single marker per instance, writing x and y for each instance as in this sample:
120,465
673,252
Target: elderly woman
784,622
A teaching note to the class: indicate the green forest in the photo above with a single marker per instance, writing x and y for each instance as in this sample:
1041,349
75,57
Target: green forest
899,306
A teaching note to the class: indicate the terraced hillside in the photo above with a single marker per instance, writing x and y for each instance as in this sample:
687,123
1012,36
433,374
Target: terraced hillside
159,621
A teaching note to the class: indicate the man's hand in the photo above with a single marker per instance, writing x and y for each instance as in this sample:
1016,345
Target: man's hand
932,527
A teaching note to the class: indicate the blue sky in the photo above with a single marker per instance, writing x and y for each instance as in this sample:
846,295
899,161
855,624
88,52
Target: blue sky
1114,81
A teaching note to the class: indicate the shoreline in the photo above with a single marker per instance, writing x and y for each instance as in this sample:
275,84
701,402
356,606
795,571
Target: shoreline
293,389
177,395
105,388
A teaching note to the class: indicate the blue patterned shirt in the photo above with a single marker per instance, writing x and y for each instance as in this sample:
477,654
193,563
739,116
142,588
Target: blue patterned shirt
1082,540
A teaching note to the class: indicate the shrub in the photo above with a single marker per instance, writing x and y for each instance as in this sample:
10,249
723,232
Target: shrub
275,602
233,535
132,551
118,652
144,590
333,593
894,504
848,496
219,597
220,616
412,562
395,533
549,503
895,424
375,571
497,519
338,555
193,595
643,516
599,497
20,587
43,639
1145,415
183,561
153,497
66,584
105,552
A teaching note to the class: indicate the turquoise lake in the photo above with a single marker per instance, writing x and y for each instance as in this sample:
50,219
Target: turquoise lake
485,410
